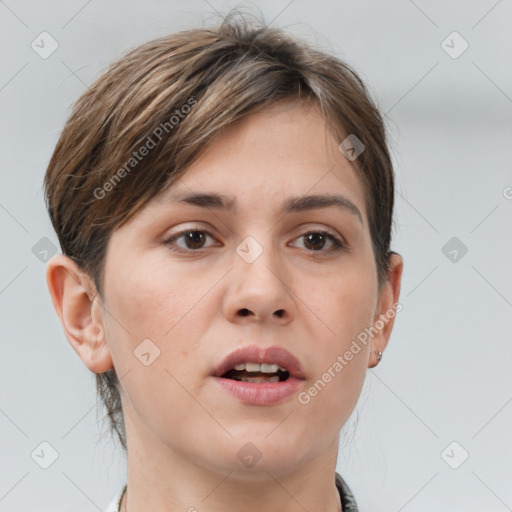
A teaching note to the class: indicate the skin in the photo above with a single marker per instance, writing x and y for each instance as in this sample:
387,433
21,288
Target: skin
183,432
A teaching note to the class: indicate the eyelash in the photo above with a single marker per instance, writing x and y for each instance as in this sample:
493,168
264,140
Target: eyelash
338,245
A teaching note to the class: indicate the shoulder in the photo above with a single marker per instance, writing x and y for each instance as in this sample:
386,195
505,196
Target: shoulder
348,500
114,505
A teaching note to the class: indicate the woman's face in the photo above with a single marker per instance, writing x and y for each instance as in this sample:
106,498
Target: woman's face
265,268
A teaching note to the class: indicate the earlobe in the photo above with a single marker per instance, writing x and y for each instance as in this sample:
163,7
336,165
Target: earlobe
388,307
79,309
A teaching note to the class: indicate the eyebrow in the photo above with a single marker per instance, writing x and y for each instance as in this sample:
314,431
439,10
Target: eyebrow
291,205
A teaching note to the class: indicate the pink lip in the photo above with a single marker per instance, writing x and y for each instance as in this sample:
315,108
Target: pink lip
258,354
268,393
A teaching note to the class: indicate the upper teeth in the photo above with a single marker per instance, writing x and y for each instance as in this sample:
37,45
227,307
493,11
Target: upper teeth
262,368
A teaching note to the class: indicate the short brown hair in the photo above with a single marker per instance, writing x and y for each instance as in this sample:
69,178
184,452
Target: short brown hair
172,95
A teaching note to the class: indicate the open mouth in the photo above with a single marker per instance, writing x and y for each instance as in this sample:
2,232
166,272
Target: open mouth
257,373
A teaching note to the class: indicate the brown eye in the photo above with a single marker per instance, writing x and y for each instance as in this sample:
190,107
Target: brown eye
317,240
193,240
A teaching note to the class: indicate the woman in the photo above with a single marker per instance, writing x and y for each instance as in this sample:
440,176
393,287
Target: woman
224,199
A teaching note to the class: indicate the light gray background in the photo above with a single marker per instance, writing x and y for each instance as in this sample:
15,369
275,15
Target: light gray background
445,375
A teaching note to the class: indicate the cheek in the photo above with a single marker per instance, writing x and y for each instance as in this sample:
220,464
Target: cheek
156,305
150,297
344,302
345,305
341,365
155,301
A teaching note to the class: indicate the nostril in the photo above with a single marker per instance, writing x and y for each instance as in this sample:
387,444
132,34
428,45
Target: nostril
244,312
279,313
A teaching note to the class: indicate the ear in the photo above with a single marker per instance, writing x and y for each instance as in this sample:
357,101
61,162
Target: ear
387,308
80,311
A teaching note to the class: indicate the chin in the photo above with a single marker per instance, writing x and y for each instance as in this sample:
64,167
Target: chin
259,457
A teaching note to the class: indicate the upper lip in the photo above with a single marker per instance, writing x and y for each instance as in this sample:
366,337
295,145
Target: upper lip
258,354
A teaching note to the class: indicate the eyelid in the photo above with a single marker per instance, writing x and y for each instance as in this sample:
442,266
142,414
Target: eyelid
179,234
314,227
336,239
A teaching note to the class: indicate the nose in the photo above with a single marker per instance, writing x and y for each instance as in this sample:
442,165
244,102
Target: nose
259,291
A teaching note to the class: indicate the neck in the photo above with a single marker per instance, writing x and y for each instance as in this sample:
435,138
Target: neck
333,505
166,480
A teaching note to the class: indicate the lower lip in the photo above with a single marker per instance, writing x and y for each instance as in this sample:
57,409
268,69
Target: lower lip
265,393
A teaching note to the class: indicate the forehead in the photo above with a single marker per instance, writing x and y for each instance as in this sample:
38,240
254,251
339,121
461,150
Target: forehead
286,150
